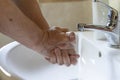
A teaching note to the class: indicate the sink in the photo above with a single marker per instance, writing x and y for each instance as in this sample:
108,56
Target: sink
20,61
115,59
97,61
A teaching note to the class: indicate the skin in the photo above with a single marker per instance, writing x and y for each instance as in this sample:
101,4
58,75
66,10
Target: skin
32,10
23,21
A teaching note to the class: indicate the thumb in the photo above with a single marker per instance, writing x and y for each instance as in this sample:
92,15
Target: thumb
71,36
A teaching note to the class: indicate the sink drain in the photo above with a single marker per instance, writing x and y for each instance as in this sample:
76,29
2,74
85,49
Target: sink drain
99,54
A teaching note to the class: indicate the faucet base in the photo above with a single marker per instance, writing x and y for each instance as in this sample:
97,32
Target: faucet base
115,46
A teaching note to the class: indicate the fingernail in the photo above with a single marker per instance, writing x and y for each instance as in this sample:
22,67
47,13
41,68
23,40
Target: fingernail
47,58
72,36
68,65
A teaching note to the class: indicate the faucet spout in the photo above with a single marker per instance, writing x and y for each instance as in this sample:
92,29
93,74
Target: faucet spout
110,28
110,33
111,23
82,26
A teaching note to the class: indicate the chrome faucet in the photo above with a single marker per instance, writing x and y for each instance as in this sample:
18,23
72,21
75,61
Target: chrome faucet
111,29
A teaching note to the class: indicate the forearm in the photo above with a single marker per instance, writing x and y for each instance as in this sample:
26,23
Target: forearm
32,10
19,27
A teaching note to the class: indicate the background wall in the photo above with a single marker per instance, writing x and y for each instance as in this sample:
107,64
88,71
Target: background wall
68,14
58,0
115,4
4,40
65,14
100,14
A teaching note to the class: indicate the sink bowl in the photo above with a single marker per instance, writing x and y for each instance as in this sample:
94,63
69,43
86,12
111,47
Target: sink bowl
95,62
115,59
29,65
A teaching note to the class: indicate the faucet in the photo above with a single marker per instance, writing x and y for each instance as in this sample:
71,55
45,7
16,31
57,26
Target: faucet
111,29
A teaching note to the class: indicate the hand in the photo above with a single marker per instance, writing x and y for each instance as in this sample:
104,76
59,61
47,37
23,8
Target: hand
63,53
64,56
56,37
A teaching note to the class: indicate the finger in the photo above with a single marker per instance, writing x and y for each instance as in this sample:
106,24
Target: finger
64,37
72,52
72,36
73,56
66,58
66,45
73,60
53,57
58,56
60,37
56,37
48,59
62,29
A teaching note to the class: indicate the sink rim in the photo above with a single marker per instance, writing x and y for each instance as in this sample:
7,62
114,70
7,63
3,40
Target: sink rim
4,50
15,44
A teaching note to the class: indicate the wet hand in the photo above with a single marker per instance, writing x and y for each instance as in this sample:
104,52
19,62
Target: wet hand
63,53
63,57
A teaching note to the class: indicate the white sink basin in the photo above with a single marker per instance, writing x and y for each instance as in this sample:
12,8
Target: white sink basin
97,62
28,65
115,60
94,64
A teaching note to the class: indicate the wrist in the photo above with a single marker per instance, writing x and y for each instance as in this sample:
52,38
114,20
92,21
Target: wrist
40,45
